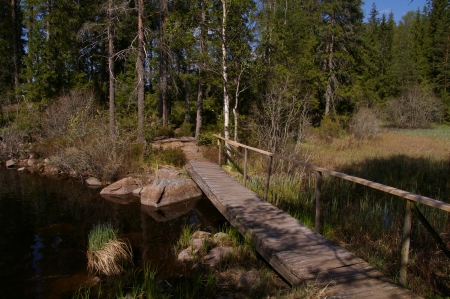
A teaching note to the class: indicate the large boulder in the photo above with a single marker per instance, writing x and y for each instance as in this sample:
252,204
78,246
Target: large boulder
123,187
165,192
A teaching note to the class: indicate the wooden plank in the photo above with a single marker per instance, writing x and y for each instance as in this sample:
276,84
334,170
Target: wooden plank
294,250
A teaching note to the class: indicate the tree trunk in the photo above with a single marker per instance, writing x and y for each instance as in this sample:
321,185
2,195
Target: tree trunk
226,98
187,102
15,41
198,120
163,65
112,109
140,71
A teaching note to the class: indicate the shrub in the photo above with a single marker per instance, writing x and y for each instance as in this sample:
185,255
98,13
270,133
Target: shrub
416,108
13,142
165,132
329,128
170,156
364,124
185,130
106,253
72,111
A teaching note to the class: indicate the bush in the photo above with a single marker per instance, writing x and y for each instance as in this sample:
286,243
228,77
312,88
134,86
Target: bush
416,108
72,111
165,132
170,156
329,128
364,124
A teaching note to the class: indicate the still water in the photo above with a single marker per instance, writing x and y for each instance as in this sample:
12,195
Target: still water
44,226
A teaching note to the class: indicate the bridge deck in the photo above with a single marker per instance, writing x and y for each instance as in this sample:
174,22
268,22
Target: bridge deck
296,252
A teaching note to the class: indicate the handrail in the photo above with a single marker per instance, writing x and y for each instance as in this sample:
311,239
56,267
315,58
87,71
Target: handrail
401,193
410,198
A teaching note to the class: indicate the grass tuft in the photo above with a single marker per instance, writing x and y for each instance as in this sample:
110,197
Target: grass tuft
106,253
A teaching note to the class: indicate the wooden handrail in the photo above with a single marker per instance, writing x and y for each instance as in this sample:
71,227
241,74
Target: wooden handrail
401,193
410,199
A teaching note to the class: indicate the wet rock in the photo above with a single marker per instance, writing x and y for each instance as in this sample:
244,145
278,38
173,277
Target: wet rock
217,254
10,164
247,279
123,187
165,192
120,199
91,181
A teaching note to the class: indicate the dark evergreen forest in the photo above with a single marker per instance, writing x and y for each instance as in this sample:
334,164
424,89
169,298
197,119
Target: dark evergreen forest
225,64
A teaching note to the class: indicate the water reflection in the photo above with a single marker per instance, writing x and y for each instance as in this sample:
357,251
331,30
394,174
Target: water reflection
44,225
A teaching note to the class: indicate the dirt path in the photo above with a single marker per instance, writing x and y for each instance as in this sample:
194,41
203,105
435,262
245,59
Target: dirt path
187,144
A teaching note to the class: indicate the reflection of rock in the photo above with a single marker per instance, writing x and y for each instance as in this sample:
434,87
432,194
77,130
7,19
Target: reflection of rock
122,187
164,192
122,199
166,213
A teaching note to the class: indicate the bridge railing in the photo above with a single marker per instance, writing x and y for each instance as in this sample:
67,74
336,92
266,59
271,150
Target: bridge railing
411,198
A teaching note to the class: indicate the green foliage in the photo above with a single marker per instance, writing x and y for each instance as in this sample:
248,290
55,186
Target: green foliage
165,132
101,234
329,128
207,138
169,156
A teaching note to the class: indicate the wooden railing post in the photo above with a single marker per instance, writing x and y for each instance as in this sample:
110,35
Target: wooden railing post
245,167
319,181
405,243
219,142
269,171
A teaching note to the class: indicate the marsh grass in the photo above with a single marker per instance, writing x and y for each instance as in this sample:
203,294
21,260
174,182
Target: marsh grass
106,253
366,221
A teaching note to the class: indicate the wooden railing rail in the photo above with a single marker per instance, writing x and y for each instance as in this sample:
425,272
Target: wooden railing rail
411,198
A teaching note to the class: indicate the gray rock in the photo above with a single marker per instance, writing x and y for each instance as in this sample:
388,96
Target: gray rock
21,169
10,164
167,173
201,235
217,254
220,237
247,279
164,192
91,181
123,187
185,255
197,245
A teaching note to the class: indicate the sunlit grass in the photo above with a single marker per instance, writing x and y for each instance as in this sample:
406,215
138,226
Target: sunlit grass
366,221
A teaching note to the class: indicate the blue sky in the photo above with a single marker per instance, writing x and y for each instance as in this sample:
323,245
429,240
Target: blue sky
398,7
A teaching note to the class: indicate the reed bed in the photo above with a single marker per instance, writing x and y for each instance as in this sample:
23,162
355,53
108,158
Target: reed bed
366,221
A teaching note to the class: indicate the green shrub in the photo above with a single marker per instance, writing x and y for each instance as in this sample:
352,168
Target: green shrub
165,132
206,139
329,128
169,156
185,130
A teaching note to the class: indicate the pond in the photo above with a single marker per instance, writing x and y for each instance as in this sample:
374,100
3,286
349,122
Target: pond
44,226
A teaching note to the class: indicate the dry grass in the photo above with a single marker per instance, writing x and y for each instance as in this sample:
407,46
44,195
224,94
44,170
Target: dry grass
106,253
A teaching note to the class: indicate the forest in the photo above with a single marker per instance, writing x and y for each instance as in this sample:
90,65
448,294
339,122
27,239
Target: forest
232,66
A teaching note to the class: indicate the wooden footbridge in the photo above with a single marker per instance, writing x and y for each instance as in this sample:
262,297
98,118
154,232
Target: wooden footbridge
295,251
